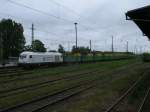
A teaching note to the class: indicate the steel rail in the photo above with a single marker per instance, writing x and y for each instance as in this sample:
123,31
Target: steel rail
125,94
7,93
55,97
144,100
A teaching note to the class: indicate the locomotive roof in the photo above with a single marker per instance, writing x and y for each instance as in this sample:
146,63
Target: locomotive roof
40,53
141,17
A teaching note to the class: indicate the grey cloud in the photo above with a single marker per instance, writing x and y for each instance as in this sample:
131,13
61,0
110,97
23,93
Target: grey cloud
98,20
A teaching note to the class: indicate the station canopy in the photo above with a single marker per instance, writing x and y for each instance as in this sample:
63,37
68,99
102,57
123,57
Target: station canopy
141,17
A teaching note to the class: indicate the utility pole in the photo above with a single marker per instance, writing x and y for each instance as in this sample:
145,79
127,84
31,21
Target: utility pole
32,28
1,48
141,49
90,45
127,50
68,46
135,49
76,34
112,44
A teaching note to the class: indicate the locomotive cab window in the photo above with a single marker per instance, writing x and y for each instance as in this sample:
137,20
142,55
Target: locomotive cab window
30,56
22,56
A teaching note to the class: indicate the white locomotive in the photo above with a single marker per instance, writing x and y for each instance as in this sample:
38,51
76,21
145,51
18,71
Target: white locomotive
36,59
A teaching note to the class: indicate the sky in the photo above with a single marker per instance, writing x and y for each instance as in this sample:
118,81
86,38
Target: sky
98,21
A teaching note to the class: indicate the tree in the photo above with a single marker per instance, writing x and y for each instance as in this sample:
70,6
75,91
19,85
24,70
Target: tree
28,48
12,38
82,50
61,49
38,46
75,50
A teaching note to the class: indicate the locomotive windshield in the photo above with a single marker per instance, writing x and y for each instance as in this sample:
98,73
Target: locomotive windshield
23,56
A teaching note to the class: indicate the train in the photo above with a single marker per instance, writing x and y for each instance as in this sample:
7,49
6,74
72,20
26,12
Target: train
27,59
30,59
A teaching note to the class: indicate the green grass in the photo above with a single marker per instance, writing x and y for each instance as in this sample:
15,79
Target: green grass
53,73
97,99
136,97
108,67
63,69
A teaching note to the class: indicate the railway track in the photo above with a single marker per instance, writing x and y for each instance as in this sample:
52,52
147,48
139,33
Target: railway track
9,71
16,73
28,78
24,76
52,98
120,99
8,67
77,89
20,90
44,101
32,76
6,72
145,105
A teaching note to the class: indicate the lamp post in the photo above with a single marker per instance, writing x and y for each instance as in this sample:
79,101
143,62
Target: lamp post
76,34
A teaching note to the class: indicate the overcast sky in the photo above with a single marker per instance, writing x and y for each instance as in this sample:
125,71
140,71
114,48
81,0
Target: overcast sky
97,20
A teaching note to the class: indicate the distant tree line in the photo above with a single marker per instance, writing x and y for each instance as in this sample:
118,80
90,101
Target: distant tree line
79,50
82,50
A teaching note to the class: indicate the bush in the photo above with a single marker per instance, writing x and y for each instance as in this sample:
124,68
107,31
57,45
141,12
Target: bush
146,57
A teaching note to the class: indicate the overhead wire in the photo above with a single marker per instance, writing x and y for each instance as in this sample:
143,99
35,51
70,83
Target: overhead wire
59,4
40,30
48,32
73,11
39,11
45,13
